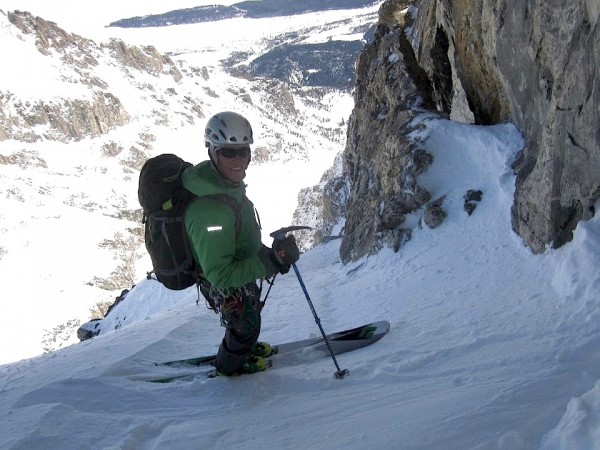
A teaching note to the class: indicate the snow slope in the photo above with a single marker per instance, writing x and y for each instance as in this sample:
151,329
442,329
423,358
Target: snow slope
491,347
60,205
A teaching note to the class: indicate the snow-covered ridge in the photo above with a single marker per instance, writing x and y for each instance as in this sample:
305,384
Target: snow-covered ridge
246,9
490,345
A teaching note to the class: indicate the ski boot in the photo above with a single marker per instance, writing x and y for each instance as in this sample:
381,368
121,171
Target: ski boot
253,364
263,350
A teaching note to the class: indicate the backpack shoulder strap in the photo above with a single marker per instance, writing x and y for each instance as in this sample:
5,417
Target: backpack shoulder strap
233,204
202,284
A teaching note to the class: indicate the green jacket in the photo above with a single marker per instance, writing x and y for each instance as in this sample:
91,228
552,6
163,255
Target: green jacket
227,260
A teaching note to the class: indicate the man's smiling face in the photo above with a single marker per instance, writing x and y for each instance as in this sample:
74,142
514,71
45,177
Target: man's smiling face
234,165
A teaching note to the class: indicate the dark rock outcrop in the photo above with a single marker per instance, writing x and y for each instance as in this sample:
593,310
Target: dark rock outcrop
532,63
381,162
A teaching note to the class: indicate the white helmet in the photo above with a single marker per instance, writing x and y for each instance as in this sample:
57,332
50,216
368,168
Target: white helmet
227,129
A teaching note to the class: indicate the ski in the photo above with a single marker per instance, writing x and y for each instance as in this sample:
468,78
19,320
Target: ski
208,373
340,342
200,361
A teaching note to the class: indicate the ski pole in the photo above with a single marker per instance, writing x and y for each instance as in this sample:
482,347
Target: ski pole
271,283
278,235
339,373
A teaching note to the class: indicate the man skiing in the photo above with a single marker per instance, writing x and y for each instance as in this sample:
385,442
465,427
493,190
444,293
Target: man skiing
226,242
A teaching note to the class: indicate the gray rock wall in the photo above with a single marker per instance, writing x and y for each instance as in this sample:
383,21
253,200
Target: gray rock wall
535,63
381,164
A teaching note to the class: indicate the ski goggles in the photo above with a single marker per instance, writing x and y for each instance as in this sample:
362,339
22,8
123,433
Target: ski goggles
228,152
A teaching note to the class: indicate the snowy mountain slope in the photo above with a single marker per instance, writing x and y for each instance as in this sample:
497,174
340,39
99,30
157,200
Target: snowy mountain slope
491,347
247,9
69,206
84,18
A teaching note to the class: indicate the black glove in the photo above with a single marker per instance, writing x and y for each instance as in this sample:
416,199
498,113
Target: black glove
281,257
267,257
286,251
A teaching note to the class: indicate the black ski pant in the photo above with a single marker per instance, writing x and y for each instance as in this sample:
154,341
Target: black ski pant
240,314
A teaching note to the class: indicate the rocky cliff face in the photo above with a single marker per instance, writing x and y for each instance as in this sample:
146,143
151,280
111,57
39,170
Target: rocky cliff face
96,110
532,63
381,163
